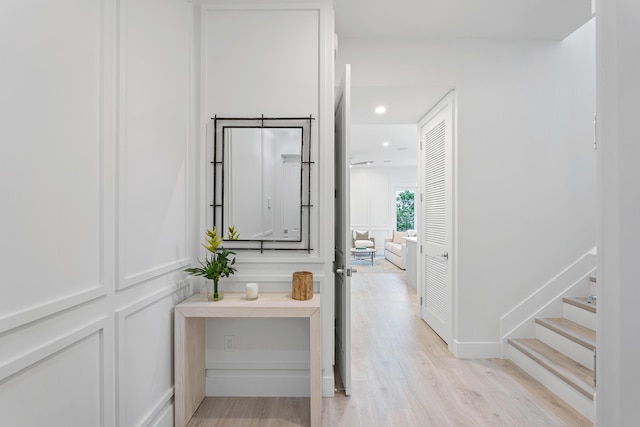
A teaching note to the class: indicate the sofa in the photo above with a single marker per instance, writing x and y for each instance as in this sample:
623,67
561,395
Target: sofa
395,248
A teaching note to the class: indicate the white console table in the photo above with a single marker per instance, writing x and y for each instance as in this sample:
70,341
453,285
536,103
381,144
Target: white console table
190,317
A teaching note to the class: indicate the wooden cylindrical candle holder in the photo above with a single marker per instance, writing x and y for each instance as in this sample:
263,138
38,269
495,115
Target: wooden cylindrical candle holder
302,285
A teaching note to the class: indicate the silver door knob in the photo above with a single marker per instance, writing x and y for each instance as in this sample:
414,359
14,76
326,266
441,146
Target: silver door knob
445,255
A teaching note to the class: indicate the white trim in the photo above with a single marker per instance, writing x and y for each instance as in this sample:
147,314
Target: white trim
161,405
476,350
121,317
56,346
212,364
574,275
126,279
328,384
448,100
40,311
268,267
395,188
164,415
253,5
158,271
100,327
263,383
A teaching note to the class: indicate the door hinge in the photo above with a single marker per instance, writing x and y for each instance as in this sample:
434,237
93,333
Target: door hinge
595,131
595,362
421,197
420,300
420,248
420,145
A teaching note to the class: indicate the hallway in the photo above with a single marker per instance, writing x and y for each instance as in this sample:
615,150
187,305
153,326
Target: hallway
403,374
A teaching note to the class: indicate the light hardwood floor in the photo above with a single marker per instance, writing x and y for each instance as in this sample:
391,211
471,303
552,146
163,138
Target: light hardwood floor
403,375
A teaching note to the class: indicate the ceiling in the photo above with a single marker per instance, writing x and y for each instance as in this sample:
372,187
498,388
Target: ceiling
424,19
522,19
397,126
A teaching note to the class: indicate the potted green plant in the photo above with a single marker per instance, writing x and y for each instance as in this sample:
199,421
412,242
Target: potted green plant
218,262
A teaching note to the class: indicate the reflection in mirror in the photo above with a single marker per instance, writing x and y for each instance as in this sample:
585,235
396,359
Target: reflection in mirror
261,181
263,178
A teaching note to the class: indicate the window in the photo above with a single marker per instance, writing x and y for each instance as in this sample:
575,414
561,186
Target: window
405,210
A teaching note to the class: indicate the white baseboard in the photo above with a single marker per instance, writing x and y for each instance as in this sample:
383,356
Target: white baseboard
294,383
476,350
328,386
254,383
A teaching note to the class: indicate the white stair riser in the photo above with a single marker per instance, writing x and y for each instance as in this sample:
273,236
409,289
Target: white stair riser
577,352
563,390
580,316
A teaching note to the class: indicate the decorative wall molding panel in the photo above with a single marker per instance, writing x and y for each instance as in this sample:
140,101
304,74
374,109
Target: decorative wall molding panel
59,361
51,155
154,130
36,313
145,332
101,180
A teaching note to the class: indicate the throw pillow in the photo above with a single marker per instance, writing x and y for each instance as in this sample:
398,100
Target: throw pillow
362,235
398,236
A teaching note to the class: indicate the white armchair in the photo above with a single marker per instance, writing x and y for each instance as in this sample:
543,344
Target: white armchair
362,239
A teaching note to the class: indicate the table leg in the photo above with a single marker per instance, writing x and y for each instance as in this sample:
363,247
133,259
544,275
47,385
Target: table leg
189,366
315,368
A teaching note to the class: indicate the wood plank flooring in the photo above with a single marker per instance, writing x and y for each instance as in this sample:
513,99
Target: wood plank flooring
404,376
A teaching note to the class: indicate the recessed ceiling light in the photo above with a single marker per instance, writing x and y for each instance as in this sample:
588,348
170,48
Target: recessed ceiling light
380,109
385,144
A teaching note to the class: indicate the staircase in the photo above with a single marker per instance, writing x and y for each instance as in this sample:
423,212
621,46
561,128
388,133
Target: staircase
562,354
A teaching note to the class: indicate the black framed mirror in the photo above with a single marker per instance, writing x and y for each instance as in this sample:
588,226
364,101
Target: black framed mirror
262,174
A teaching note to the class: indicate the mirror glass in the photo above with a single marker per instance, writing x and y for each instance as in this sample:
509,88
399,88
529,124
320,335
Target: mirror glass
262,175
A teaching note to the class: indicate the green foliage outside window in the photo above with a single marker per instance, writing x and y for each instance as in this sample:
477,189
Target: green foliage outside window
404,211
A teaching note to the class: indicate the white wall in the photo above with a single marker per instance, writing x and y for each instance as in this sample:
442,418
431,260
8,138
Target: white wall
279,64
97,189
619,200
373,198
525,166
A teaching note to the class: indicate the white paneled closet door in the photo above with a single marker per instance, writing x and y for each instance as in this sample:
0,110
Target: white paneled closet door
436,164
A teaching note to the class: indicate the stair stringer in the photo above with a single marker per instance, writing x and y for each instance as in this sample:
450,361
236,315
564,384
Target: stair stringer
547,300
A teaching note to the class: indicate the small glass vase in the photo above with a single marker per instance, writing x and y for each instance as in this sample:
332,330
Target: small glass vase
213,294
